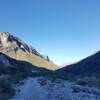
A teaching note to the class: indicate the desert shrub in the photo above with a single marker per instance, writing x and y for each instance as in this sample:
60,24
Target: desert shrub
18,76
6,89
90,81
4,96
36,74
96,82
75,89
66,76
81,82
1,68
5,85
42,82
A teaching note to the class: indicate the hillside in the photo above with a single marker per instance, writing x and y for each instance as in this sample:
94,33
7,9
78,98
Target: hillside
17,49
13,71
86,71
89,66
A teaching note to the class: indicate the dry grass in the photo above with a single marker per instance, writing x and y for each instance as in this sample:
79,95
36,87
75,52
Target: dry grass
33,59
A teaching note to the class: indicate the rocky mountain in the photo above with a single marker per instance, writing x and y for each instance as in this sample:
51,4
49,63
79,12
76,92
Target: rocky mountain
19,50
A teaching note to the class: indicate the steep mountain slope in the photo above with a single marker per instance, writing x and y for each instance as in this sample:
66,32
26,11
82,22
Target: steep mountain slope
8,64
88,67
17,49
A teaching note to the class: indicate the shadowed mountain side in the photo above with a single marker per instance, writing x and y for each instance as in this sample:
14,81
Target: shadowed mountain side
88,67
11,66
32,58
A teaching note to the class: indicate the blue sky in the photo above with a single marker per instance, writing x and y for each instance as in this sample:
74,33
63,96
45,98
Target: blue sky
65,30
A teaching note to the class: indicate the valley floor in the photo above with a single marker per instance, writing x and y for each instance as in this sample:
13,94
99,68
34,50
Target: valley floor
46,89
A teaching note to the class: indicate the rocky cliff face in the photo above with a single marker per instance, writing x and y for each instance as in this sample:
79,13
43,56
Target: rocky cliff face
10,43
17,49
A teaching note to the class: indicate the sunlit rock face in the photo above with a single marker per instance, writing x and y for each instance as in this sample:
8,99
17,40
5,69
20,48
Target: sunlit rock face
10,43
17,49
4,39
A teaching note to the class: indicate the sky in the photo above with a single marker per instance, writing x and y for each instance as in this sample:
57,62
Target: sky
65,30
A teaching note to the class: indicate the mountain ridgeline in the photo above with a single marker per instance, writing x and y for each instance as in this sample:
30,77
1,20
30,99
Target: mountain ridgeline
19,50
86,68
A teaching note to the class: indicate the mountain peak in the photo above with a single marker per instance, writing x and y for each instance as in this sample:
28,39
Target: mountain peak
17,49
9,42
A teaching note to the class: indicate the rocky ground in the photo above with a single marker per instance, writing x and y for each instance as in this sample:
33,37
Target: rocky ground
48,89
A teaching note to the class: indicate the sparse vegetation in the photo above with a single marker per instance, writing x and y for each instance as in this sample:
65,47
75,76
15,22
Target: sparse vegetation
89,81
81,82
6,89
75,89
42,82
